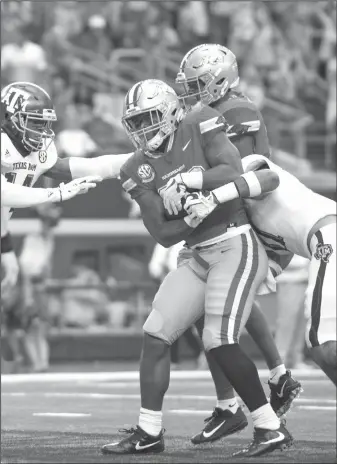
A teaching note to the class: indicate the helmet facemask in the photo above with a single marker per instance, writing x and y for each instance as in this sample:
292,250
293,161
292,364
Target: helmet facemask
149,128
206,88
35,128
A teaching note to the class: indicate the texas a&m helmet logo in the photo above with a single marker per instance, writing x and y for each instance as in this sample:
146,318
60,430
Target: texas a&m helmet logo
146,173
42,156
323,252
14,99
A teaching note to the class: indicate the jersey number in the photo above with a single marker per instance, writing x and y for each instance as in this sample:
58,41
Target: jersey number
11,176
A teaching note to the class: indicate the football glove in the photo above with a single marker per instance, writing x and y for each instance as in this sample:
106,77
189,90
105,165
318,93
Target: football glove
200,204
76,187
172,194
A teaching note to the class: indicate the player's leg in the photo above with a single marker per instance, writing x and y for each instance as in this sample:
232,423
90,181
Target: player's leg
177,305
320,301
283,388
238,267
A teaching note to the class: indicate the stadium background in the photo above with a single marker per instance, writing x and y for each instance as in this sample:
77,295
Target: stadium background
87,55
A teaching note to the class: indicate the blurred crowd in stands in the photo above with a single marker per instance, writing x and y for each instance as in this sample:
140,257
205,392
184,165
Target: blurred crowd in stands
87,54
285,50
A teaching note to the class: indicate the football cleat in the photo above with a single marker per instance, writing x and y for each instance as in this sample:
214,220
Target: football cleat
283,393
221,424
265,441
137,442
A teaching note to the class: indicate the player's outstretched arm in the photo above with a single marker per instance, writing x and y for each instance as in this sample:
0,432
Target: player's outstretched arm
249,185
165,232
105,166
18,196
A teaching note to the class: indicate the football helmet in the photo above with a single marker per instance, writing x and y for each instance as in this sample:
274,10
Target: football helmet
151,113
27,115
207,72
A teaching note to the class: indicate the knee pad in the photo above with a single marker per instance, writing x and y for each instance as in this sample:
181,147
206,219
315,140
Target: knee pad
154,326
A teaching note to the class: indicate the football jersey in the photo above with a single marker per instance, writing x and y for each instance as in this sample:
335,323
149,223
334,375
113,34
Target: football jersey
246,128
284,217
23,170
187,154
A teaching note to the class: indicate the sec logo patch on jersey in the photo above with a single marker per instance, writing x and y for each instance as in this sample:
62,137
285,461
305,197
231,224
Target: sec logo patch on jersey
146,173
42,156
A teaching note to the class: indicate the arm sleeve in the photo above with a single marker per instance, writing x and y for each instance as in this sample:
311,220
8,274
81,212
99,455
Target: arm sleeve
105,166
225,163
166,233
248,185
247,131
17,196
222,156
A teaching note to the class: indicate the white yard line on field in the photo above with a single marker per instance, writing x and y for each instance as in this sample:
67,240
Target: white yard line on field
136,396
131,375
61,414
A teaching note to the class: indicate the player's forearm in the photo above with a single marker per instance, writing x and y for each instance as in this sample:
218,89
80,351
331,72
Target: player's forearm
210,179
17,196
248,185
169,233
105,166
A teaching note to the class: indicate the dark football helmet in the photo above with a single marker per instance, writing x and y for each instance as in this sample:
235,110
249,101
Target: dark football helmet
27,115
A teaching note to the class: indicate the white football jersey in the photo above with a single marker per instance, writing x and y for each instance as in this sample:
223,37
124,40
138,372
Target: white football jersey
284,218
22,170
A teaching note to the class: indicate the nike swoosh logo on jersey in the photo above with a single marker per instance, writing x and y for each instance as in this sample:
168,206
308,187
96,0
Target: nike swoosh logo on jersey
141,447
187,144
282,389
212,432
274,440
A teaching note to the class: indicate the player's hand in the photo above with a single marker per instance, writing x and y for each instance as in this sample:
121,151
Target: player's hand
172,193
200,204
76,187
10,269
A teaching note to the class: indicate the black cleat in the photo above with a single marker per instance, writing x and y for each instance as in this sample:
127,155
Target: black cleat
265,441
220,424
138,442
283,393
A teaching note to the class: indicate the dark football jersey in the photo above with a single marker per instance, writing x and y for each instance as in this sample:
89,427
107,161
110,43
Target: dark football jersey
187,154
246,128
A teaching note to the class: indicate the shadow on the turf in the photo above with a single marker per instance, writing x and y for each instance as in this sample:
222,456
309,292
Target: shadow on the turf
71,447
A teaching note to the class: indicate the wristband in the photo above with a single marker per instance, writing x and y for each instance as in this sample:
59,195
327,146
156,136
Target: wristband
6,244
193,180
248,185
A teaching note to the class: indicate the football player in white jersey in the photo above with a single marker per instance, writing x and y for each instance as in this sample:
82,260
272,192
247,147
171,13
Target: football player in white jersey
28,151
291,219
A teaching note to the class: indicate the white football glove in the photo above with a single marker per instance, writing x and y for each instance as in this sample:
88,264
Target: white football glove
172,193
199,205
76,187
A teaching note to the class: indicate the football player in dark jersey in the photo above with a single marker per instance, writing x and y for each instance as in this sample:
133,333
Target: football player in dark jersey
209,74
219,270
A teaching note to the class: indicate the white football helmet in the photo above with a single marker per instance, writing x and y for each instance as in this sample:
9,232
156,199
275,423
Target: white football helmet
207,72
151,113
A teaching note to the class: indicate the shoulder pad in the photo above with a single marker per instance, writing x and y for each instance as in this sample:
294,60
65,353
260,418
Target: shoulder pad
50,156
6,149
